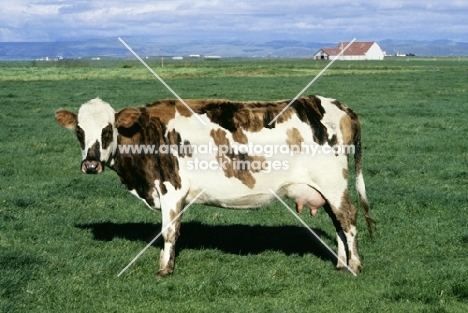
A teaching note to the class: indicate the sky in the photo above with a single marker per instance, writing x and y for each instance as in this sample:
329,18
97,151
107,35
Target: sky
239,20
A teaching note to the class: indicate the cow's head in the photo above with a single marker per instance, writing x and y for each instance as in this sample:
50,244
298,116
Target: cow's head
95,128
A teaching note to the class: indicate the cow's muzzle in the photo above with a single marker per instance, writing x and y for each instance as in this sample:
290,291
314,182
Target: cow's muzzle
91,167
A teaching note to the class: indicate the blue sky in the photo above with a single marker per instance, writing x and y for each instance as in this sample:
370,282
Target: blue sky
240,20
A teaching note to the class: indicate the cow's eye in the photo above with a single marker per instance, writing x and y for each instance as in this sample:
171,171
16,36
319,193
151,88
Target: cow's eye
106,136
81,136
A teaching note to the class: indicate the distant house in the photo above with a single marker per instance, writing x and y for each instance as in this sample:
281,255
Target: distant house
212,57
357,51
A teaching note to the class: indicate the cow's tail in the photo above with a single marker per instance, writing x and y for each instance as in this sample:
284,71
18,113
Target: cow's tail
360,185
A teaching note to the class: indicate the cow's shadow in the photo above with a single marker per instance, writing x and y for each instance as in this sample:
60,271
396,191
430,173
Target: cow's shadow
234,239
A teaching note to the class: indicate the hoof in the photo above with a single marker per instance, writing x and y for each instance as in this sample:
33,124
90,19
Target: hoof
357,268
163,272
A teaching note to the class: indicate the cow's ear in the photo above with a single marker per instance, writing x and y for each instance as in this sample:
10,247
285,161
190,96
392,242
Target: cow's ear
126,117
66,119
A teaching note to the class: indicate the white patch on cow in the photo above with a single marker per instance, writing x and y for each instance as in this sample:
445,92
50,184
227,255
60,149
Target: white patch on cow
331,118
360,186
165,254
354,261
93,116
341,252
171,203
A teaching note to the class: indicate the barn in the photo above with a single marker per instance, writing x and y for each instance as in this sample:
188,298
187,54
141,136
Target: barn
356,51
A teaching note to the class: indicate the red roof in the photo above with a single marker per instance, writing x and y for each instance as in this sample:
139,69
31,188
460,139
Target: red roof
356,48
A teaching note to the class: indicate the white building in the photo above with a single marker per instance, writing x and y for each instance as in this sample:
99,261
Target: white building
357,51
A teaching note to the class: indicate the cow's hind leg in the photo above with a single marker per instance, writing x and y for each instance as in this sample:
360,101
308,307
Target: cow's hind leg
170,230
344,217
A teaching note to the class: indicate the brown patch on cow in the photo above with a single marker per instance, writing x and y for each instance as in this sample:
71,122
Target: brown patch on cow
175,221
333,141
219,137
136,173
344,216
81,136
341,106
247,116
251,116
256,116
165,109
174,138
239,136
294,139
127,117
225,160
347,213
310,110
233,116
257,163
185,149
107,135
347,131
171,235
286,115
345,174
370,222
94,152
183,110
195,105
178,147
238,165
66,119
162,110
140,171
349,124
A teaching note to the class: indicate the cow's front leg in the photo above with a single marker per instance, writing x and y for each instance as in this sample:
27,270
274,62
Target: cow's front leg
344,217
171,207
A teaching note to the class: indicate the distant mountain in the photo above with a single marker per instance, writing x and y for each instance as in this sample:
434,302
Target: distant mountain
111,47
38,50
425,48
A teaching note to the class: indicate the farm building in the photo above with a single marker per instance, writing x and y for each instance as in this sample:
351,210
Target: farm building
357,51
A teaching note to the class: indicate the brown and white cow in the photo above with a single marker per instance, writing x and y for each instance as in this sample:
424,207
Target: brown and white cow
167,180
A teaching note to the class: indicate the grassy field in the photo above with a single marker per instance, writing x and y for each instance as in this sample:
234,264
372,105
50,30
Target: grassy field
65,236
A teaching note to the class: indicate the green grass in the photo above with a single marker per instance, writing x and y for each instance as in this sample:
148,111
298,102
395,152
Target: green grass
65,236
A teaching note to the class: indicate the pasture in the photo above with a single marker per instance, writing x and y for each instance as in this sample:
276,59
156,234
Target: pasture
64,236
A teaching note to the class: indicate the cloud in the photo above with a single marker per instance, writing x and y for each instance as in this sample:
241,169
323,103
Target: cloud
184,20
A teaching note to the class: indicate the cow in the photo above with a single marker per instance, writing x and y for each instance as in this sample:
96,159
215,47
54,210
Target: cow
234,169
